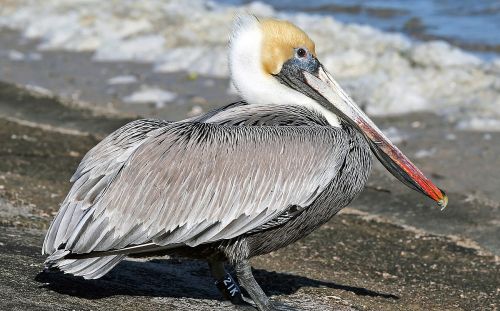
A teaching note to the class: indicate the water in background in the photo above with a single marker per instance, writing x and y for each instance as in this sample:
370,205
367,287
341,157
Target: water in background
472,25
385,72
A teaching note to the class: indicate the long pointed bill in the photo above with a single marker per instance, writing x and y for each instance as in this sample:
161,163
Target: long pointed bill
390,156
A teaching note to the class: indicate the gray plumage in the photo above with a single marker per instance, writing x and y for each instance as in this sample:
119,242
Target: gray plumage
240,181
237,182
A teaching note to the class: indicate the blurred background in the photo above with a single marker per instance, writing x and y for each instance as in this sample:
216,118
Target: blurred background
393,56
428,71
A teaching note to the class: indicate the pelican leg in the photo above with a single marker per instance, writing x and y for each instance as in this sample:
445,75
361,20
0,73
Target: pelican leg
225,282
246,279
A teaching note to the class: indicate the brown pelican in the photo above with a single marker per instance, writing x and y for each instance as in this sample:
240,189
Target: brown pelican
240,181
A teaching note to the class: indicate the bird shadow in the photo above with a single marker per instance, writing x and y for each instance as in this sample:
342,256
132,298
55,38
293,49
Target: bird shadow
284,283
177,278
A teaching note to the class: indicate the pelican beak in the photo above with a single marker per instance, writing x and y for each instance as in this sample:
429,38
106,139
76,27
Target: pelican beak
332,96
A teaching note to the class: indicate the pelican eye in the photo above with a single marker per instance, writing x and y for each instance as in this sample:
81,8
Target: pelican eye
301,53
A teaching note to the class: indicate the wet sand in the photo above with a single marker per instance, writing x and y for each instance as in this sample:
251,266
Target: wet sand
78,79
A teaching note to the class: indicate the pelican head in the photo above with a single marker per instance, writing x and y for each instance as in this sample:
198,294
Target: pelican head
275,62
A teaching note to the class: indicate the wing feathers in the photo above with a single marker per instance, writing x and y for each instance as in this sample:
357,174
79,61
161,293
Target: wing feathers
153,183
177,189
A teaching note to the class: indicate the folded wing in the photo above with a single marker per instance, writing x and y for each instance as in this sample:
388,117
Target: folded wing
195,183
94,173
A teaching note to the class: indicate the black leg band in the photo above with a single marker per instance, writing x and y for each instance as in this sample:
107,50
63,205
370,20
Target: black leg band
229,289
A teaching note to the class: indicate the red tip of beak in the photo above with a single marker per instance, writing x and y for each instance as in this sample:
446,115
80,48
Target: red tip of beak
425,185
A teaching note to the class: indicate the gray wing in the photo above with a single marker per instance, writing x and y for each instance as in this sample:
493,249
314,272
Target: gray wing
194,183
95,172
113,150
241,113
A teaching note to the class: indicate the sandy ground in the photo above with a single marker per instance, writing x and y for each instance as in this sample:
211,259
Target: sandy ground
391,250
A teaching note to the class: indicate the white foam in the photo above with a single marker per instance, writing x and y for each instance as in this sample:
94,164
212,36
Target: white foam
16,55
441,54
126,79
385,73
141,49
148,95
451,136
425,153
480,124
394,135
38,90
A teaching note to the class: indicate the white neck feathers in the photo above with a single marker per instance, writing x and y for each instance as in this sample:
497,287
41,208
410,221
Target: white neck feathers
248,76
